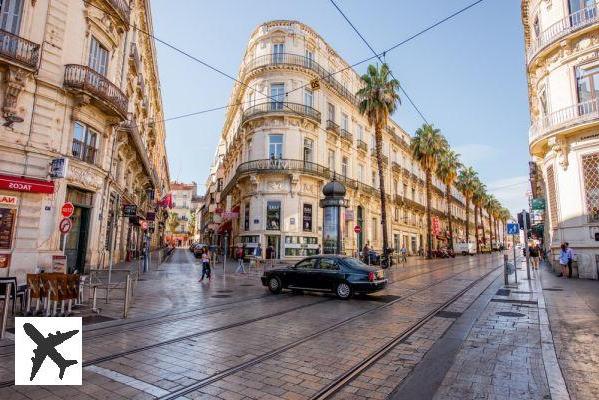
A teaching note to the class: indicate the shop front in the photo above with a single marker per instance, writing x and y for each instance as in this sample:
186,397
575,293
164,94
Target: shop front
77,238
15,193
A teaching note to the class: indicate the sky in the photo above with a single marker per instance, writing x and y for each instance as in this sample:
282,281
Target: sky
467,76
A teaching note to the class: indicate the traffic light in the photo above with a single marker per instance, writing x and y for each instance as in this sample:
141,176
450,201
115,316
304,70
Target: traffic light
521,217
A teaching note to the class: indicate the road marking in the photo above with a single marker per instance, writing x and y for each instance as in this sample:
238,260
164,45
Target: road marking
128,380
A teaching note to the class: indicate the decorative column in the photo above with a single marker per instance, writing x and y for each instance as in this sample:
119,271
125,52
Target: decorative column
334,203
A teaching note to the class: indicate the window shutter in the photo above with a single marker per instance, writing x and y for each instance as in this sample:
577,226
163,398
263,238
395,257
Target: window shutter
10,15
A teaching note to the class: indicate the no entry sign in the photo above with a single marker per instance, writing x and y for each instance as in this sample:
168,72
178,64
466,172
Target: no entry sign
65,225
357,229
67,209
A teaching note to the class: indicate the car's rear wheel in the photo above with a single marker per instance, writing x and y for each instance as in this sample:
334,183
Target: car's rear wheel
343,291
274,285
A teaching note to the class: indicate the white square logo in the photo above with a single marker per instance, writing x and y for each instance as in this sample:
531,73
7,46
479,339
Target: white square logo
48,351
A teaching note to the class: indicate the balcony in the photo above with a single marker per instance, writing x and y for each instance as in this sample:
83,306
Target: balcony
333,130
395,167
361,145
291,166
572,23
15,49
287,60
122,10
566,118
384,157
134,58
84,79
281,107
83,152
131,127
345,135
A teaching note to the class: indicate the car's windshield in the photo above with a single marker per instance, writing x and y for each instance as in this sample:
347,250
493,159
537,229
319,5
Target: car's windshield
354,262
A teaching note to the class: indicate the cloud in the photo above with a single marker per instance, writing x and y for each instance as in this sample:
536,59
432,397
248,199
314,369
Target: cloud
511,192
472,153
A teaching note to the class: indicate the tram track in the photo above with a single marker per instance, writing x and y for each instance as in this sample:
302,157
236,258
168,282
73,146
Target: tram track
263,317
273,353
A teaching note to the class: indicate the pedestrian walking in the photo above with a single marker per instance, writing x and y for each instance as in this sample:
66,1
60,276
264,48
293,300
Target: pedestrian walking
535,256
366,254
258,255
205,265
240,254
563,259
570,259
404,254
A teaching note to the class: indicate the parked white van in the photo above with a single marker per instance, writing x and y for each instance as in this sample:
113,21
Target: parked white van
466,248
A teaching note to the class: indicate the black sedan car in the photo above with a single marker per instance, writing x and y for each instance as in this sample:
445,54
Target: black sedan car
342,275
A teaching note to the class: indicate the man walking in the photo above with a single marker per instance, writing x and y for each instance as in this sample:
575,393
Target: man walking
404,253
570,254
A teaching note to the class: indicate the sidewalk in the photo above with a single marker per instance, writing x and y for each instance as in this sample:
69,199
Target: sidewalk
534,340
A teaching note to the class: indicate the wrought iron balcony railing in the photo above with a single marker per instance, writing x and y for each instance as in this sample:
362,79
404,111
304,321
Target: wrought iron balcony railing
395,167
332,126
361,145
122,9
83,152
17,49
384,157
283,107
573,22
300,61
85,79
345,135
580,113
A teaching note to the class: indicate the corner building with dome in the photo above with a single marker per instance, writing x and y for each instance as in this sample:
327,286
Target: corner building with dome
285,138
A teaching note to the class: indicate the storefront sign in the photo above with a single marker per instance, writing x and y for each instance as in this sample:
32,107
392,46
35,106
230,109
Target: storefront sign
538,204
59,264
349,215
58,168
26,184
129,210
307,218
8,200
4,260
7,220
230,215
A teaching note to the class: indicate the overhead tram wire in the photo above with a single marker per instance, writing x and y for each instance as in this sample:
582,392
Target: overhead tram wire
176,49
380,59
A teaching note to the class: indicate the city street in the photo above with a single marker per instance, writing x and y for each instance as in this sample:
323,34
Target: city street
441,329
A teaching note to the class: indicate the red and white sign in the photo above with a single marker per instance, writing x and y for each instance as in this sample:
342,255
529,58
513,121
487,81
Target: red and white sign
230,214
65,225
436,226
144,225
67,209
26,184
357,229
8,200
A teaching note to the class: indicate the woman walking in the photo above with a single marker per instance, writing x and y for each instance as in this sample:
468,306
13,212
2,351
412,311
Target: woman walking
563,259
205,265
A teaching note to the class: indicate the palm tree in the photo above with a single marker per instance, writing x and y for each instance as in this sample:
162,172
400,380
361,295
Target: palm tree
478,199
378,100
490,206
447,172
466,183
427,145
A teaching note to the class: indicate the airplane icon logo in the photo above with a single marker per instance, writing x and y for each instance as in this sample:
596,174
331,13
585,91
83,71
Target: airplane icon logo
48,339
46,347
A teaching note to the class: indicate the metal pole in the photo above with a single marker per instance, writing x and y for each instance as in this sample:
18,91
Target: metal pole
524,214
225,255
127,288
5,309
515,265
505,273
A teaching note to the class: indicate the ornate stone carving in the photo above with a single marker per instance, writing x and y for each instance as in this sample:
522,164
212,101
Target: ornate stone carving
561,148
84,177
15,82
276,186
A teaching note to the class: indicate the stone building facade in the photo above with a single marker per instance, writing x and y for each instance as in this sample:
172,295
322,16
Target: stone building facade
562,56
284,139
81,85
185,203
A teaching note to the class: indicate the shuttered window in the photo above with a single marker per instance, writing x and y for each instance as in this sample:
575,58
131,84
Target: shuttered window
10,15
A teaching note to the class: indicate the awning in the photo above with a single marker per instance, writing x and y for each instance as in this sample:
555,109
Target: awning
29,185
225,227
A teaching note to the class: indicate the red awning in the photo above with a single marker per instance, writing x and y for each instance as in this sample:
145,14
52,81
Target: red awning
225,227
29,185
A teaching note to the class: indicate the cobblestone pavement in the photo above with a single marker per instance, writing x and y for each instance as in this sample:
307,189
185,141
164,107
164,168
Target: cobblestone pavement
230,339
